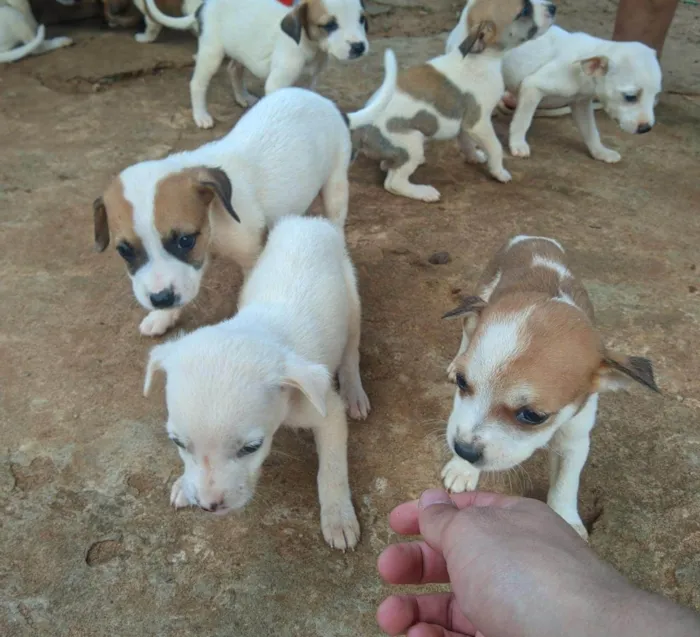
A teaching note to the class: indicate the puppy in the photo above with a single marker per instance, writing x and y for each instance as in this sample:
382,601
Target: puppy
230,386
624,77
153,26
18,26
273,42
166,215
528,372
453,95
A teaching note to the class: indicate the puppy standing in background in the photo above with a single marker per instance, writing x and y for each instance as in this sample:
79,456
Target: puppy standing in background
453,95
231,386
274,43
625,77
165,216
528,372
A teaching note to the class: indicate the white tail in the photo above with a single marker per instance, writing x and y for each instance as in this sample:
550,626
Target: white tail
182,24
380,100
22,51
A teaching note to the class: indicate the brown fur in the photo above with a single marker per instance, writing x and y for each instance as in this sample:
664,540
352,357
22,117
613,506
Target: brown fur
122,13
308,16
119,215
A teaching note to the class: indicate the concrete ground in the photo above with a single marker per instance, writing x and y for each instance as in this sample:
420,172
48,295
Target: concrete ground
90,546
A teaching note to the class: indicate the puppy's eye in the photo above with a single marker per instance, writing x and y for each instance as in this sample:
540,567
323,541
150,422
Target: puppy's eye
631,98
126,251
330,26
250,448
462,383
178,442
363,21
527,10
186,242
530,417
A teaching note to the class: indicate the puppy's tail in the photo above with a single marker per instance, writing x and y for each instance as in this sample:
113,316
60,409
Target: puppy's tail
182,24
22,51
380,100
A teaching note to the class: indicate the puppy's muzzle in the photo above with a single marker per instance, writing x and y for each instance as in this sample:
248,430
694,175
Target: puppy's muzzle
212,507
164,299
357,49
472,453
643,128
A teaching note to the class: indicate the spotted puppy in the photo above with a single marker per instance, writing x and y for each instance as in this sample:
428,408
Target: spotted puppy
274,43
165,216
528,372
624,77
453,95
231,386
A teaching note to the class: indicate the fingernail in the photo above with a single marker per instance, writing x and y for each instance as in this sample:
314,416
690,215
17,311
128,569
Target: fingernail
434,496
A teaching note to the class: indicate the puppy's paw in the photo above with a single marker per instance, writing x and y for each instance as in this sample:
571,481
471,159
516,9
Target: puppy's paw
519,148
477,157
458,476
607,155
204,120
340,527
178,499
357,402
144,38
158,322
502,175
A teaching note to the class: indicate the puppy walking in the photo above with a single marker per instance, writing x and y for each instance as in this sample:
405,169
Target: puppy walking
453,95
166,216
231,386
274,43
528,372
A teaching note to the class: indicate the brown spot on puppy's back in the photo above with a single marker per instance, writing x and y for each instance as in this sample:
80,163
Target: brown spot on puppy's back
422,121
371,142
426,84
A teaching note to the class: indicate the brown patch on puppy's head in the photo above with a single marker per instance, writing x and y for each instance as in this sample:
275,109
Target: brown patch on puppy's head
310,16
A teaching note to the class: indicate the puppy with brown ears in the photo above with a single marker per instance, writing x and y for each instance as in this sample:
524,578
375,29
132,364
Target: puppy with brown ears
453,95
529,371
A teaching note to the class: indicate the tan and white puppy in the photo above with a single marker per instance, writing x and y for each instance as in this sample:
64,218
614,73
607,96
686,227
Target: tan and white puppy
231,386
165,216
623,77
18,26
274,43
453,95
529,371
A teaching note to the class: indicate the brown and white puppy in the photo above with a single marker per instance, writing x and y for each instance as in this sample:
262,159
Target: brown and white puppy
528,372
454,95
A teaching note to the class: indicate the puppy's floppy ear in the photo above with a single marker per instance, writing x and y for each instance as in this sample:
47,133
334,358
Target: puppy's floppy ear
595,66
479,38
310,379
214,182
617,371
156,362
469,305
101,224
296,20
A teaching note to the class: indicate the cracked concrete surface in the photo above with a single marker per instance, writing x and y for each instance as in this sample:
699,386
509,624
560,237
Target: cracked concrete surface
90,546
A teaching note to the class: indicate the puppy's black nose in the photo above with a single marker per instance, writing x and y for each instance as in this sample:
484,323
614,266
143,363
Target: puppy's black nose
470,453
211,507
357,49
552,9
643,128
164,298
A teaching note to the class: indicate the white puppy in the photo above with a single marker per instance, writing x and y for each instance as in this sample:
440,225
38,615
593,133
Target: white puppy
169,8
165,216
625,77
274,43
231,386
18,26
452,95
528,372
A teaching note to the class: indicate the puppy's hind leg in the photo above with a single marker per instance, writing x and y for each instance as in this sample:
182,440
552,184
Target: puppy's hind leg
397,179
484,135
151,32
209,58
584,116
349,372
236,70
336,191
471,153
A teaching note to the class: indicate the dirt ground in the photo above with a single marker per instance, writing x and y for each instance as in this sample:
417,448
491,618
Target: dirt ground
90,546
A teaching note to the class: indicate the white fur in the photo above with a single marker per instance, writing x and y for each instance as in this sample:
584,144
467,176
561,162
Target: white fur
551,68
235,383
561,270
250,34
526,237
153,28
18,26
279,156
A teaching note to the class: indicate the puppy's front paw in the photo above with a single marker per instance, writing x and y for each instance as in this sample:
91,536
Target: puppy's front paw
340,527
607,155
144,38
204,120
426,193
458,475
158,322
178,499
357,402
502,175
477,157
519,148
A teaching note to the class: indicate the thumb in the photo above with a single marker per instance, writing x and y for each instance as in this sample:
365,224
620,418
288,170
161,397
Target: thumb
435,512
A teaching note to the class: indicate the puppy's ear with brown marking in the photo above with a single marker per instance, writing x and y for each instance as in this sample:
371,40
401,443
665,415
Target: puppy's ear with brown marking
296,20
101,224
310,379
595,66
622,372
156,362
479,38
214,182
